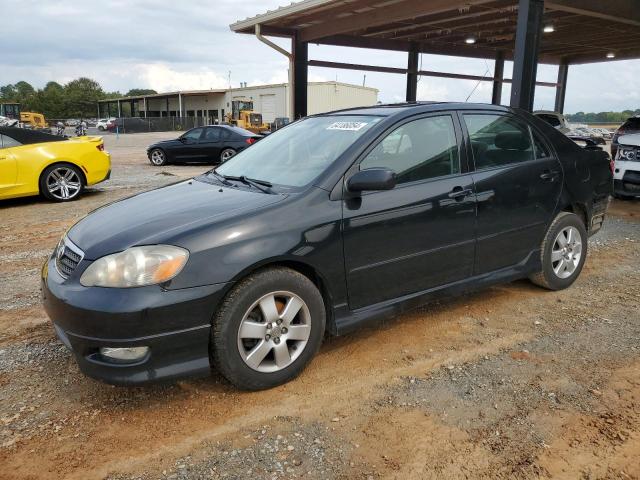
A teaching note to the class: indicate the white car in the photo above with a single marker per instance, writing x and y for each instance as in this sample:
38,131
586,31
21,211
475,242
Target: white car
103,123
555,119
626,171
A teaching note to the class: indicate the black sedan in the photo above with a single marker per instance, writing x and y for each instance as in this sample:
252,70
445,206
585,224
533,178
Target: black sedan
211,144
327,224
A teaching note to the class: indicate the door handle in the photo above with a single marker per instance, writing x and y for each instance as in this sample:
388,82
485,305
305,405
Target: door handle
459,193
550,175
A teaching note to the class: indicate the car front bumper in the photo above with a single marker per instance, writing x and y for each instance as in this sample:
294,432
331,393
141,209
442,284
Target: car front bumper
175,325
626,178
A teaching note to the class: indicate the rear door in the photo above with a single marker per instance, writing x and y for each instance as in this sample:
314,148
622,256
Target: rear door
419,235
518,181
8,164
210,144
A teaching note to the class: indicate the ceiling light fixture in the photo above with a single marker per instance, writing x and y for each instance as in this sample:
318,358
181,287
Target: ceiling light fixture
611,55
549,29
470,40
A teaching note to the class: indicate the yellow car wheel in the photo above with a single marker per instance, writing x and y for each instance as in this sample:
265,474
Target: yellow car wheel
61,182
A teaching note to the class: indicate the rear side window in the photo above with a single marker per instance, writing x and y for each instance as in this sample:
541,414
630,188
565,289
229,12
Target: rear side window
8,142
211,134
498,140
540,147
418,150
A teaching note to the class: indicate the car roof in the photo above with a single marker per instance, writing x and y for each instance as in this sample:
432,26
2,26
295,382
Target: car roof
26,136
391,109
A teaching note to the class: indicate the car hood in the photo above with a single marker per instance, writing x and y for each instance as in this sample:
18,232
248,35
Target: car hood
161,216
161,143
631,139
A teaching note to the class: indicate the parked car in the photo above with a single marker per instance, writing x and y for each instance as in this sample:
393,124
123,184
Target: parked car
591,133
72,122
32,163
629,127
103,123
334,222
607,134
556,119
211,144
626,173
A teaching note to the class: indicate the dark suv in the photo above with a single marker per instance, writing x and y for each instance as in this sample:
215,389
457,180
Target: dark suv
328,224
630,126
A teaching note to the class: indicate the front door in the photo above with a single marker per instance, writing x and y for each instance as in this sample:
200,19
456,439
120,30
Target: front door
518,182
421,234
189,151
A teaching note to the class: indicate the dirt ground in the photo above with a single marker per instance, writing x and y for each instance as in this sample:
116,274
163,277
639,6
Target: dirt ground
509,382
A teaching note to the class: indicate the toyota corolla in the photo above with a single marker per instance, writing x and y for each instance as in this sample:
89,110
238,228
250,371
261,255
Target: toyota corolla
330,223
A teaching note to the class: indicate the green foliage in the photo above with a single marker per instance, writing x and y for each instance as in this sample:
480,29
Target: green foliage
77,99
134,92
602,117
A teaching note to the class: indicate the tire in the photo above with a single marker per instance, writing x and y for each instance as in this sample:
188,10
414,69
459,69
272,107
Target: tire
157,157
61,182
226,154
101,128
236,352
562,264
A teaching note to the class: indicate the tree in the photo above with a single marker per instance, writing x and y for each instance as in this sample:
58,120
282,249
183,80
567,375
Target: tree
82,97
136,92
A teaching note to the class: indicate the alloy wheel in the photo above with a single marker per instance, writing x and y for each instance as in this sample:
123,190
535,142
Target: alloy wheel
274,331
566,252
157,157
226,155
63,183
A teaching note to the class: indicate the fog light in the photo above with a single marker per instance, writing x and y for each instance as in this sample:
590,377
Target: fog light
128,354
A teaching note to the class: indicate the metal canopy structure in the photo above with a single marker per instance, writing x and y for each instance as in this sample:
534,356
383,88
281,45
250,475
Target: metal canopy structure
528,32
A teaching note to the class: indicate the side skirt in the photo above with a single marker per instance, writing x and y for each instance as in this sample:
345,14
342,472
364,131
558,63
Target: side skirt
347,320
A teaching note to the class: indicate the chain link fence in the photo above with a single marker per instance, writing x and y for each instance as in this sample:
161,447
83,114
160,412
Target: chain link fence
161,124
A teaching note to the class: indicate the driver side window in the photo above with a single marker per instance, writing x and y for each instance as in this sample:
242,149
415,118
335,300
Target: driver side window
193,135
418,150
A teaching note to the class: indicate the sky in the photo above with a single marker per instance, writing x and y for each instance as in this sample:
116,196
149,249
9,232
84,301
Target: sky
180,45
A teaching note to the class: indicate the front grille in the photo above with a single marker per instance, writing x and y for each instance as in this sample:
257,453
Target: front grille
68,256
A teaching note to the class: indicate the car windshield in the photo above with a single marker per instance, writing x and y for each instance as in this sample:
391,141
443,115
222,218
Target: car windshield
295,155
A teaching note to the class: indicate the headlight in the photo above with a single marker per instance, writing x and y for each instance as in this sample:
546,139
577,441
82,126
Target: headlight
626,154
136,267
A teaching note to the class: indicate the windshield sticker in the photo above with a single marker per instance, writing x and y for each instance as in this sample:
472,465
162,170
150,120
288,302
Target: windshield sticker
350,126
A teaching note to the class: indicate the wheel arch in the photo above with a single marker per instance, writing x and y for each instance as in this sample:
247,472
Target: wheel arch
304,268
61,162
580,210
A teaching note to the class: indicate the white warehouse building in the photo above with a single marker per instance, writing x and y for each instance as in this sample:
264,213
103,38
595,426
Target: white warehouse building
272,101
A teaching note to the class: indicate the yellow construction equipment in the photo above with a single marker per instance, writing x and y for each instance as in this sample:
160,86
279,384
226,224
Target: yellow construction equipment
243,116
35,120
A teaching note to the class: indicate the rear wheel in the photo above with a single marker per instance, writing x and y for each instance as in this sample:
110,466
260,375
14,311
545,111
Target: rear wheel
226,154
563,252
268,329
62,182
157,157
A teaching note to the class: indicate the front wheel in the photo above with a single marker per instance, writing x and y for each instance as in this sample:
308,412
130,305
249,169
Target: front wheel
268,329
157,157
101,128
61,183
563,252
226,154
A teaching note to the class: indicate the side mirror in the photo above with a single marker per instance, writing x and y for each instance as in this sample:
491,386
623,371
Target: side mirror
372,179
183,139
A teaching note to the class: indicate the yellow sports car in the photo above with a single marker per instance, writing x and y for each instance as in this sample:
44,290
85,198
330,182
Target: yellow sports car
58,168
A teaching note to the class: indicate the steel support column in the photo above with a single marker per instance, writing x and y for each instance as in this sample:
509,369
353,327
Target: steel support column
167,99
412,73
300,77
525,62
561,89
119,110
498,76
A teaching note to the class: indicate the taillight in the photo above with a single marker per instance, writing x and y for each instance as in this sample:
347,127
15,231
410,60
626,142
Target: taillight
100,147
251,140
